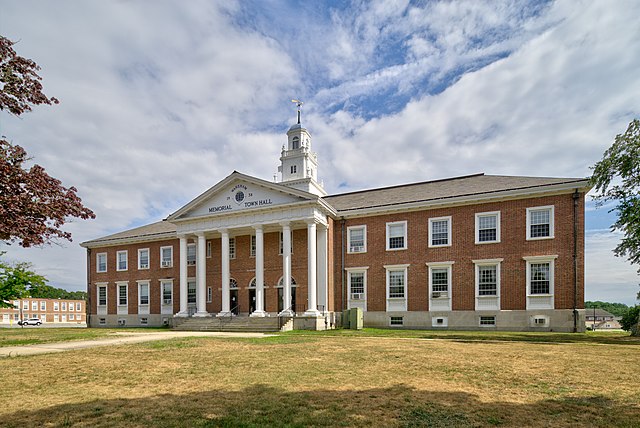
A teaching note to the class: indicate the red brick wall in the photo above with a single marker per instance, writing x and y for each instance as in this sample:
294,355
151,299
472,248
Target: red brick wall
512,248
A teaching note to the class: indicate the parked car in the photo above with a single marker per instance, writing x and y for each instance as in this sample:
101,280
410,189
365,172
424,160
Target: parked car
30,321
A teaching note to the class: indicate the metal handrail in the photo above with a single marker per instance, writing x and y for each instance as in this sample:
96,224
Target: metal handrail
227,318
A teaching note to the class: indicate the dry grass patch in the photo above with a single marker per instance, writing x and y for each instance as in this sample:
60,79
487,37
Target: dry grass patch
325,381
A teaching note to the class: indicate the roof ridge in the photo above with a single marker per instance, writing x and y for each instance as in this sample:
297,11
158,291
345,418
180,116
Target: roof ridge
407,184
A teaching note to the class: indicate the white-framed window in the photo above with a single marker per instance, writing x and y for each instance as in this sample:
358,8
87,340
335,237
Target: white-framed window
540,222
487,321
143,293
397,235
209,294
101,262
281,243
72,317
56,306
43,305
102,321
121,260
252,251
64,318
102,295
440,232
143,258
25,305
294,168
72,307
232,248
191,291
123,295
540,281
396,279
487,279
56,318
208,249
79,307
488,227
357,239
440,280
357,287
396,321
191,254
34,305
64,306
167,292
166,256
144,320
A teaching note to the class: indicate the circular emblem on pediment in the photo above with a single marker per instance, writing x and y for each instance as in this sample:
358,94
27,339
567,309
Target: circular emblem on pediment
239,196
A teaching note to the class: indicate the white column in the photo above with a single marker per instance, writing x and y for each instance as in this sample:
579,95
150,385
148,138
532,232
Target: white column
259,312
286,270
312,307
201,276
322,268
226,309
184,311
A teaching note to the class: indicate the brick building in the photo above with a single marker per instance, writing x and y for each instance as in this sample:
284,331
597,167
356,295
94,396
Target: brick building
46,310
472,252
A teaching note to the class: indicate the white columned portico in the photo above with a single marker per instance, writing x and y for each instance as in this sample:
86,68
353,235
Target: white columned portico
201,276
322,268
226,310
286,270
312,308
259,312
184,311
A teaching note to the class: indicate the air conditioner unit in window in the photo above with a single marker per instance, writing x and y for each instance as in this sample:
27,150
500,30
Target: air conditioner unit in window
191,262
436,295
357,249
357,296
145,266
166,264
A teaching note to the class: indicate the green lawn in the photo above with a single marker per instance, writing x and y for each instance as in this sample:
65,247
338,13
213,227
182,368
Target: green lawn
343,378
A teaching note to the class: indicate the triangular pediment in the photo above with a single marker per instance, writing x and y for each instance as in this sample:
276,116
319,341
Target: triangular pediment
237,193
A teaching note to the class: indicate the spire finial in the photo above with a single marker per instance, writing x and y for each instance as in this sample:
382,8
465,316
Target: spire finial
299,104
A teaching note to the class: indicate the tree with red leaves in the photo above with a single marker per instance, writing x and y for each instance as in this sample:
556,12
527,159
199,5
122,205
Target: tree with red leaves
33,205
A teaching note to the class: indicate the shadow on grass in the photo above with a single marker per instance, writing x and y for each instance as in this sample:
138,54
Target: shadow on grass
261,405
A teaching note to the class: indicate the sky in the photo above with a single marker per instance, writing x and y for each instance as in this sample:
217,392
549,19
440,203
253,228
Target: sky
159,100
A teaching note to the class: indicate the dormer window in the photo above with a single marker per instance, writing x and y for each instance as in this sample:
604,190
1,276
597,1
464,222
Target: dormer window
295,143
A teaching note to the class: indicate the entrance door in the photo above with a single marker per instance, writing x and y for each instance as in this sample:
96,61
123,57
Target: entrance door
293,299
252,300
280,299
233,301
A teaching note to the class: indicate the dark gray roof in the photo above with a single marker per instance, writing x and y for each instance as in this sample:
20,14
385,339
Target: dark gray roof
158,229
599,313
470,185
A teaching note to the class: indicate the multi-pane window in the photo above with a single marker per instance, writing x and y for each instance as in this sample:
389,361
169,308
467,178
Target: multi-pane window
143,293
79,307
64,306
143,258
166,256
102,295
72,317
191,254
253,246
122,295
396,283
56,306
488,280
232,248
440,232
121,258
25,305
209,294
488,321
43,305
282,244
71,307
208,249
487,227
540,282
397,235
357,239
34,305
191,292
440,279
167,292
396,320
540,222
101,262
356,282
233,283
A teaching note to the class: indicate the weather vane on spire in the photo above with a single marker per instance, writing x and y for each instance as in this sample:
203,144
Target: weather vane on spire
299,104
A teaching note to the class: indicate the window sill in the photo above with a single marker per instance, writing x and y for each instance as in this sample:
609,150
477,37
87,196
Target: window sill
487,242
439,246
539,238
396,249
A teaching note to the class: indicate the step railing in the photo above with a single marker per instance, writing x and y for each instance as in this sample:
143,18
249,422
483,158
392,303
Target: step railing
227,317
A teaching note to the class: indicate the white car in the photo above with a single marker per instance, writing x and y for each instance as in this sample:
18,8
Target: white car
30,321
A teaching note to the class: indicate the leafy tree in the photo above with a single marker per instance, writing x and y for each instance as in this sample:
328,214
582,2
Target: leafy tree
617,178
617,309
14,281
631,321
43,291
33,205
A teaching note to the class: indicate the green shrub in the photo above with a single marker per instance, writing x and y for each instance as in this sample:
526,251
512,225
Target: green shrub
630,320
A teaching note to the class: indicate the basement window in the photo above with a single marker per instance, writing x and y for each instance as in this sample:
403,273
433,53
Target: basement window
396,321
488,321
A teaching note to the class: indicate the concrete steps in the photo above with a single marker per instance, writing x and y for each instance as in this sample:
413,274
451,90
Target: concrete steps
234,324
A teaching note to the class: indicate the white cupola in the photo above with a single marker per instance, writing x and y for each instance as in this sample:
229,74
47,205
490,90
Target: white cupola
298,164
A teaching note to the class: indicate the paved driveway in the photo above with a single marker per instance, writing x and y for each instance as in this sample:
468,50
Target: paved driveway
120,339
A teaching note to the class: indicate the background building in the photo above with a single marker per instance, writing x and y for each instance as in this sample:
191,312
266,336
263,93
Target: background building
472,252
46,310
